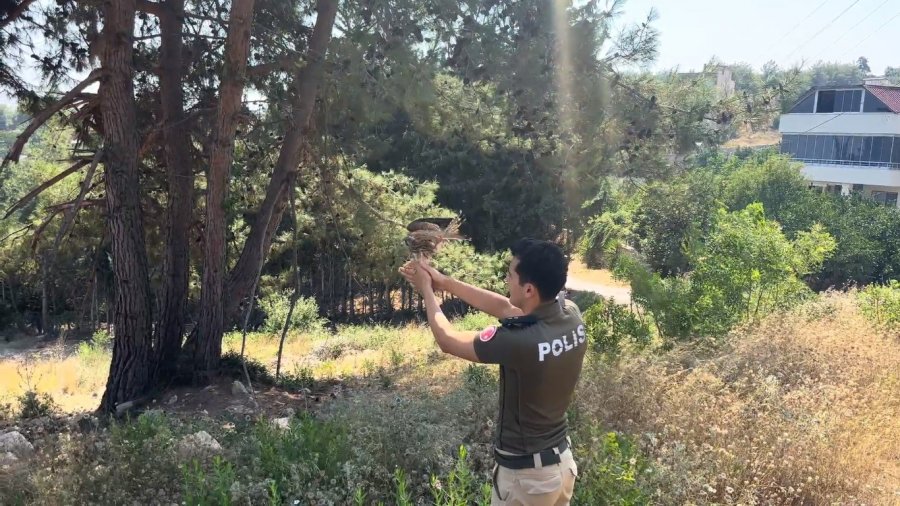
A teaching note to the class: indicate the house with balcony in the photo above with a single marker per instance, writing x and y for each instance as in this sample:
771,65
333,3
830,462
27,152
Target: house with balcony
848,139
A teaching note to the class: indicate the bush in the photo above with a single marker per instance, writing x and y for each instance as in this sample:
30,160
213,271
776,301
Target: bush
276,306
97,350
603,237
232,366
611,470
34,405
881,303
608,324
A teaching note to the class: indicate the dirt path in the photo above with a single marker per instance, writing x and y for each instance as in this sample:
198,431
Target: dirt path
599,281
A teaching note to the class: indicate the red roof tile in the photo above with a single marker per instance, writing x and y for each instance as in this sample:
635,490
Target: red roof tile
890,95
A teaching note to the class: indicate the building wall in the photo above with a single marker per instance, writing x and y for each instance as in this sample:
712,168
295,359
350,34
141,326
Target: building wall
851,174
847,123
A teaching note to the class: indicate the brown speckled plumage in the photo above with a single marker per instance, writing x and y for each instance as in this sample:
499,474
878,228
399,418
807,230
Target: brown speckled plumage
426,235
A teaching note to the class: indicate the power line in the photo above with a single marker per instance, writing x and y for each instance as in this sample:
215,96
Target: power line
873,11
872,33
771,47
822,29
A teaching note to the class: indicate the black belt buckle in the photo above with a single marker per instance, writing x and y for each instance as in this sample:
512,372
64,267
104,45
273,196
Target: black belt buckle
548,458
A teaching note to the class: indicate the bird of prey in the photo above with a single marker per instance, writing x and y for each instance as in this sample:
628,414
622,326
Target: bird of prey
426,235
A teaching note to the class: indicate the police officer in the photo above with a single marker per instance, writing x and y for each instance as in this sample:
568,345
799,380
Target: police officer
540,346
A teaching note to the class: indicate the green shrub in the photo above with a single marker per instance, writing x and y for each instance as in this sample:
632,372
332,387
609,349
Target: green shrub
603,237
475,320
584,300
304,318
608,324
213,488
881,303
610,470
34,405
309,452
231,366
97,350
301,378
461,487
479,378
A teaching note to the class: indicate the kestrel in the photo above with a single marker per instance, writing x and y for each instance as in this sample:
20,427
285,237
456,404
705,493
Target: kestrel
426,235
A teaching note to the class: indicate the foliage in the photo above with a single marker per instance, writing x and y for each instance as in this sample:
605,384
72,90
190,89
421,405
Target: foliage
881,303
461,486
744,268
232,366
612,470
276,306
670,217
460,261
97,350
603,237
34,405
202,488
747,268
609,325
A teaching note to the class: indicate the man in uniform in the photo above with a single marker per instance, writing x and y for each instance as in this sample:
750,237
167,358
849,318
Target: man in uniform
540,347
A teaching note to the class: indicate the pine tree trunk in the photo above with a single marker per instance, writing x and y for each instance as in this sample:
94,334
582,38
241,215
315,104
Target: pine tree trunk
130,371
181,189
306,83
207,348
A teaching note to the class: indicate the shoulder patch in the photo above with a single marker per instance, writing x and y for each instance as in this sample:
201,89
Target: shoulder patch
488,333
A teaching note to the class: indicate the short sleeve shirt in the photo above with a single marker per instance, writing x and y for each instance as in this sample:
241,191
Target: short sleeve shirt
540,358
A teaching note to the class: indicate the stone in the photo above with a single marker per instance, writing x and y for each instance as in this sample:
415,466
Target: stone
8,459
15,443
282,423
239,409
238,388
172,400
198,444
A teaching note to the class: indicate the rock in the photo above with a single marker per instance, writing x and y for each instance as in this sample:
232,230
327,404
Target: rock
282,423
124,407
238,388
172,400
239,409
15,443
8,459
198,444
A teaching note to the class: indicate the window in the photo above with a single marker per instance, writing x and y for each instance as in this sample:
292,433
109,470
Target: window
885,198
806,105
874,104
868,150
857,189
826,101
839,101
836,189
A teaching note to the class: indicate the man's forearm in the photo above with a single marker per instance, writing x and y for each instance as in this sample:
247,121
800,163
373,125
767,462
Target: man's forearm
490,302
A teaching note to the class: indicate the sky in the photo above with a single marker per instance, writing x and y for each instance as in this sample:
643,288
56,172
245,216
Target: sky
755,31
786,31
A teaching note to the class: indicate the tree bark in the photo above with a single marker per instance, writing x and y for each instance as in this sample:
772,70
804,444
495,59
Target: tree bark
204,352
306,83
131,368
181,189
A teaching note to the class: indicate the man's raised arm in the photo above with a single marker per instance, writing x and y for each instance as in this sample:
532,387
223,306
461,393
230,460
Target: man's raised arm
487,301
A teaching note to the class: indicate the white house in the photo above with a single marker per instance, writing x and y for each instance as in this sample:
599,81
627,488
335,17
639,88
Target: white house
848,138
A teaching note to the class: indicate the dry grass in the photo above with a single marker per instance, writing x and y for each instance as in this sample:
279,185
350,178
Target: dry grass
73,384
803,409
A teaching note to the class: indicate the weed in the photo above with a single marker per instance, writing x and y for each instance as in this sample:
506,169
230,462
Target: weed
34,405
232,367
301,378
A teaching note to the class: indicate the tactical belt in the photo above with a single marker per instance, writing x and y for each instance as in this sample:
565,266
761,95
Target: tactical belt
545,458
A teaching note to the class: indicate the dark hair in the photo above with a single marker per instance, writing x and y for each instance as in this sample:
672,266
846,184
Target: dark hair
543,264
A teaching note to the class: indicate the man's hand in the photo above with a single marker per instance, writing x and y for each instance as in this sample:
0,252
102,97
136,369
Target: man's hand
417,276
438,281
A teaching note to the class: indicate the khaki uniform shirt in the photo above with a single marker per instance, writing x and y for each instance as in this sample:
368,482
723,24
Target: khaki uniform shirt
540,357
